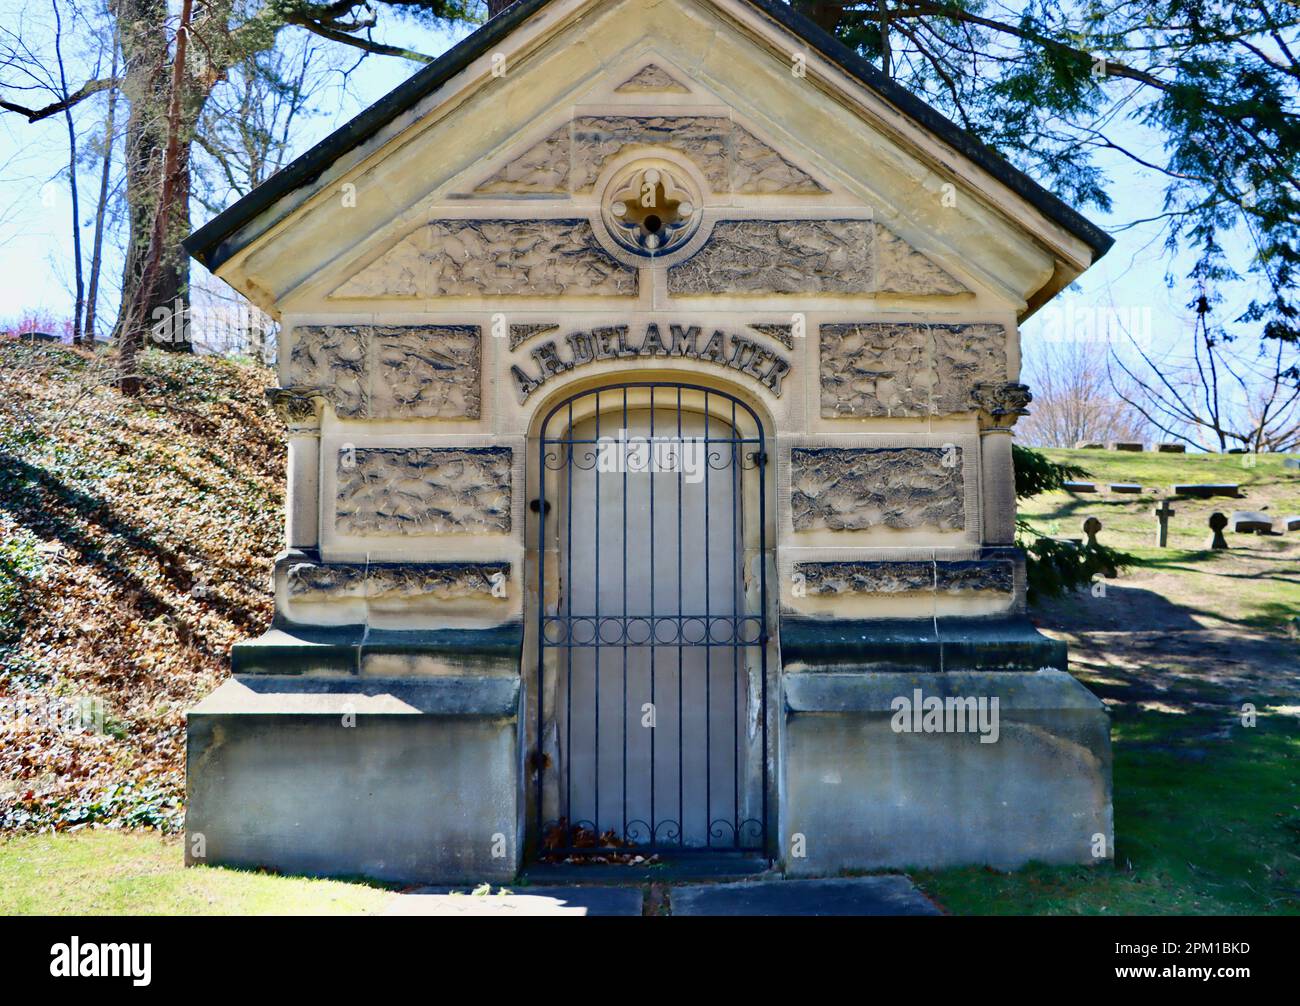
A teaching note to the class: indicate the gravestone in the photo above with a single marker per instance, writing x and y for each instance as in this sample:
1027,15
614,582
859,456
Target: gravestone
1217,523
1079,487
1163,513
1289,523
633,342
1126,487
1090,445
1171,448
1250,522
1204,490
1126,445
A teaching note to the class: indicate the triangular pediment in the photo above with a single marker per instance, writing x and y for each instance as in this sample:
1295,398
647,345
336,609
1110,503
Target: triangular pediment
652,79
495,184
571,158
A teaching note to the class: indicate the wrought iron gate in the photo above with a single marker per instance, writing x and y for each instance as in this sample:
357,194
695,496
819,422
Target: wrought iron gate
652,622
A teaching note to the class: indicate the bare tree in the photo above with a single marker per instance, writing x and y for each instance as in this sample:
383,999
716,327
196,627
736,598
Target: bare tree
1074,397
79,301
101,207
1223,395
161,123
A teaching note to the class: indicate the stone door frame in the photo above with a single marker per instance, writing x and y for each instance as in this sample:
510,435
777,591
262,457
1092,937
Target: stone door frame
759,733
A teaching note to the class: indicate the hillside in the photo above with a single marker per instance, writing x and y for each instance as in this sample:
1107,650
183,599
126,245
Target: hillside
136,538
1185,628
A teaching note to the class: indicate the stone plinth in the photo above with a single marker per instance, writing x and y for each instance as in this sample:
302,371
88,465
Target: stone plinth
857,795
396,780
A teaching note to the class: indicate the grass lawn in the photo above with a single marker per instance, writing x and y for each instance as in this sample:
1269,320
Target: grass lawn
1207,821
141,873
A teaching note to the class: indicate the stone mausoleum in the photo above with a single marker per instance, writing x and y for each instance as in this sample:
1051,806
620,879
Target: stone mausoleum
650,372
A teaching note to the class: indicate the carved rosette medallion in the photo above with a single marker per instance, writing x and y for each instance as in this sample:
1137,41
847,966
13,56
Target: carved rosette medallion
651,209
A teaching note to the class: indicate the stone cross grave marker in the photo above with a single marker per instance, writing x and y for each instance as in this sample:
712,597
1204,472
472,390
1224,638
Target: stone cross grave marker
1163,512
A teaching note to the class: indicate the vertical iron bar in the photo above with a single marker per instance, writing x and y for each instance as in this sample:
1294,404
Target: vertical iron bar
681,683
737,559
762,579
595,481
623,433
708,649
654,710
568,625
541,619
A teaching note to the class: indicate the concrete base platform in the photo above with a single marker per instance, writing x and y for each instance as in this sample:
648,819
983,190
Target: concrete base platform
874,782
409,780
883,895
520,902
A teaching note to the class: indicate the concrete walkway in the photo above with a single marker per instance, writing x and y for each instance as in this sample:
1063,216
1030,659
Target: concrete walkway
882,895
525,901
848,896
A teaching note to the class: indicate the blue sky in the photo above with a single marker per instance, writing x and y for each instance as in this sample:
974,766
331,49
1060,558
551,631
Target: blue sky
35,241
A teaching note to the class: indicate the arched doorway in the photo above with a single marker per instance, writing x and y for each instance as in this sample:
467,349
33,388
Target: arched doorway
652,622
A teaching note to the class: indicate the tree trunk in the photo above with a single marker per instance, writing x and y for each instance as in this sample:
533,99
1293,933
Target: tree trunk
156,316
101,210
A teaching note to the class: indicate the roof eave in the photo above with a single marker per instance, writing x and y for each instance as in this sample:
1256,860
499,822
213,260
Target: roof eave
219,239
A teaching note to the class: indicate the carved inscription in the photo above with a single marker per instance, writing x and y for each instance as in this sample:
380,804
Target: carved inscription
615,342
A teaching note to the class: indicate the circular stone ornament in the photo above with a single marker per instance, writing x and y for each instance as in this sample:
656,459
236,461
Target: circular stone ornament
650,209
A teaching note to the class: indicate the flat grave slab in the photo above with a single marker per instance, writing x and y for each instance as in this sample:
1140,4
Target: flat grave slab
1250,522
1204,490
1135,446
1079,487
1125,487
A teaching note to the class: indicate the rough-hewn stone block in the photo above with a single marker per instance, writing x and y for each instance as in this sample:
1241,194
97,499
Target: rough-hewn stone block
853,489
572,158
475,258
906,576
424,490
907,368
391,371
442,580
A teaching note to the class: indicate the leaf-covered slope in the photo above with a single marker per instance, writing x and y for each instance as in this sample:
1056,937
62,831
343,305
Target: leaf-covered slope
136,537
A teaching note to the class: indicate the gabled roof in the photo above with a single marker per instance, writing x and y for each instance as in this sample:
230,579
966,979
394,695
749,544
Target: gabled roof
216,241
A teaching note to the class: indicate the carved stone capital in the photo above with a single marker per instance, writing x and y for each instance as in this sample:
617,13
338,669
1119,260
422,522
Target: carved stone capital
298,408
1001,404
